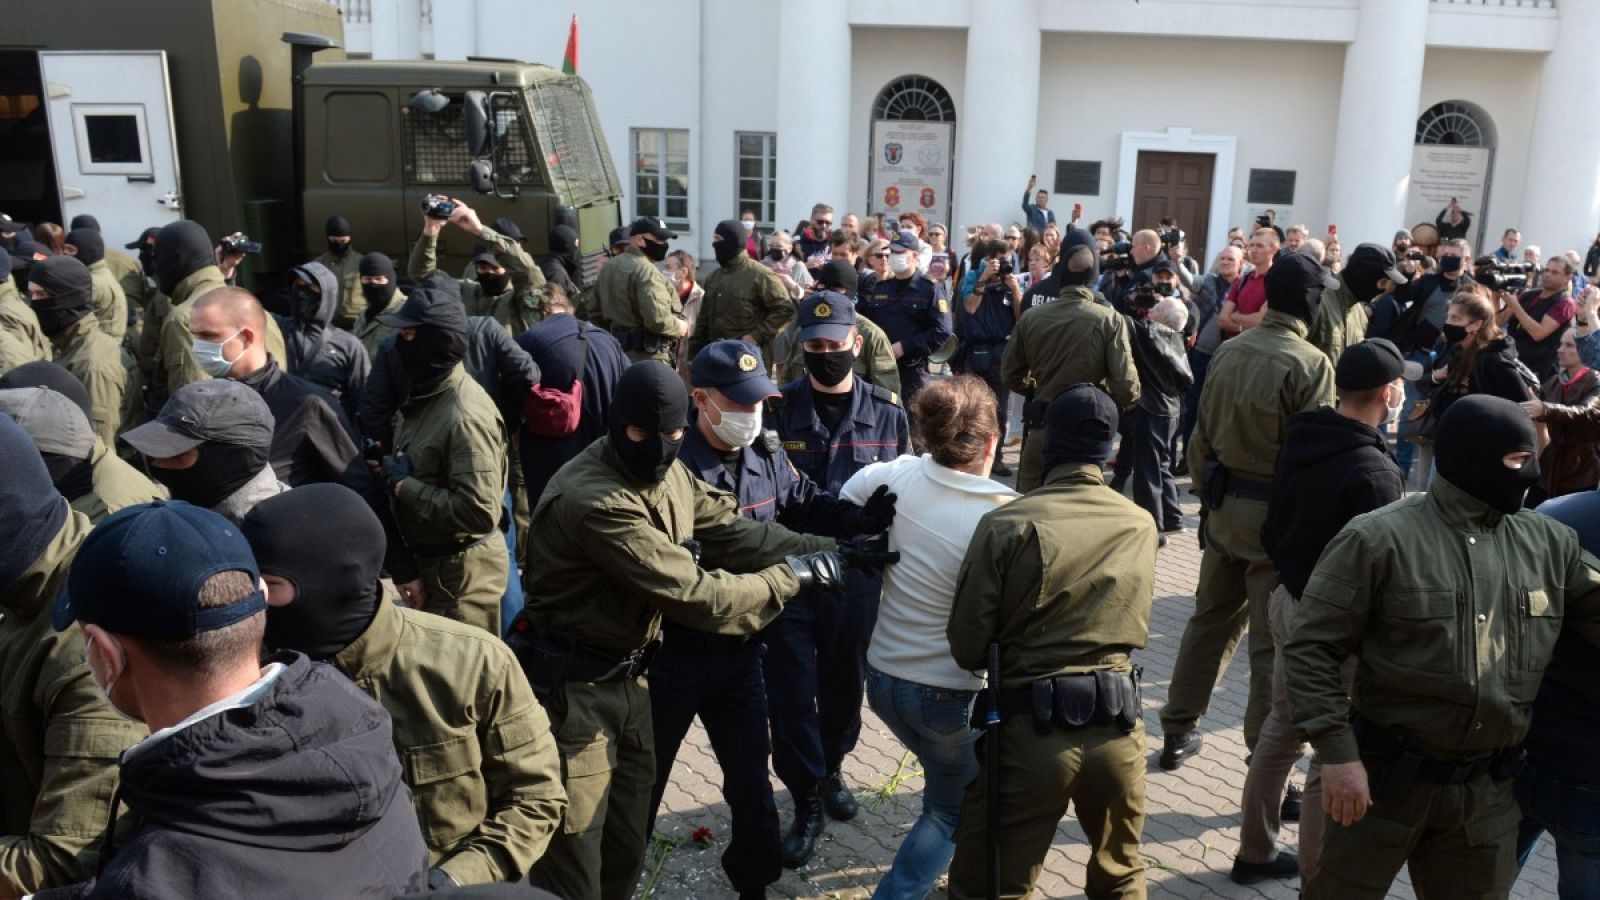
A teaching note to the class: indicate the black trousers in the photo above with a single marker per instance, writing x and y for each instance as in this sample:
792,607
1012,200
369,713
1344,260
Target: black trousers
1153,486
990,375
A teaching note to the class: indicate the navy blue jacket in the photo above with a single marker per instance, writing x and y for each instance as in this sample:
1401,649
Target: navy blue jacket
909,313
770,487
874,431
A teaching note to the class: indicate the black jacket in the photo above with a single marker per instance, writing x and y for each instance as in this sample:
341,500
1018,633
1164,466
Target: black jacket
1330,469
1163,364
1494,372
297,795
326,356
313,443
553,346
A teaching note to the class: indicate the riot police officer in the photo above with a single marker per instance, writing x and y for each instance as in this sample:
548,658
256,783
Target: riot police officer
832,425
907,309
636,303
718,677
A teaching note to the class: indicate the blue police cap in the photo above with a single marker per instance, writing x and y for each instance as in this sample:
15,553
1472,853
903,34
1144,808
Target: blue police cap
734,368
827,315
139,573
905,241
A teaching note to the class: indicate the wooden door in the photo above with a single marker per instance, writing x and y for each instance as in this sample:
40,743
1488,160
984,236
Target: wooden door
1176,185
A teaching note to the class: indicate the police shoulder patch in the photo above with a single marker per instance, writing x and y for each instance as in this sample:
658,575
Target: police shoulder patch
882,393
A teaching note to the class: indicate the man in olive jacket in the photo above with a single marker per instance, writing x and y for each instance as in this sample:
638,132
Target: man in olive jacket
642,310
448,472
59,739
94,480
507,277
476,746
61,289
744,300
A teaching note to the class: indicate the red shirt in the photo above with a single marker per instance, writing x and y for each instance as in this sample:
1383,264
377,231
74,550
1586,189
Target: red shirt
1249,295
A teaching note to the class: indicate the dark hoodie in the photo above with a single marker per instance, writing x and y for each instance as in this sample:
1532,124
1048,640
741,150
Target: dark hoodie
182,249
296,795
564,263
328,357
1330,469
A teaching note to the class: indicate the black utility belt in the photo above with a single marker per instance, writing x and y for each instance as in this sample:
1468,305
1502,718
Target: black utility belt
437,551
1221,482
1072,702
599,667
637,340
1405,761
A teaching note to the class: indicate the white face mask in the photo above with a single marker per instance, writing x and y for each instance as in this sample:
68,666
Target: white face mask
900,263
209,356
105,689
737,429
749,226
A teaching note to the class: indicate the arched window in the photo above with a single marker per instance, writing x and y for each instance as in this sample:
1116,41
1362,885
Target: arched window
914,98
1456,122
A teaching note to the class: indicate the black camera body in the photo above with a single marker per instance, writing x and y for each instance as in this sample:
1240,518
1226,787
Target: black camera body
1118,257
438,206
239,243
1502,275
1006,268
1171,237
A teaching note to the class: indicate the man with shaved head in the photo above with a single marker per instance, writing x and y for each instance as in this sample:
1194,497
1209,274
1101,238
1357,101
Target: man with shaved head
312,441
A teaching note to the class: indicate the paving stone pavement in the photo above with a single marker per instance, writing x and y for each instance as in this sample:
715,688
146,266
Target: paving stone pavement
1191,825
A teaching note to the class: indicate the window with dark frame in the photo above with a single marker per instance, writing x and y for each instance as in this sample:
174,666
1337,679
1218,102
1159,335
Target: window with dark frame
661,175
758,175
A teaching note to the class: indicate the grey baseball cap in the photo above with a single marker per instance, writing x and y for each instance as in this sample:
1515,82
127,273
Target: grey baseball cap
55,423
217,410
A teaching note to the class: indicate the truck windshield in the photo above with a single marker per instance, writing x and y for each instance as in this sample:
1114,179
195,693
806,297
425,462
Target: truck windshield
574,148
436,149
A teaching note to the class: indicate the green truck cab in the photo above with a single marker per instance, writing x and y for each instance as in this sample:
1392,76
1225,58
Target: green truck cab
244,115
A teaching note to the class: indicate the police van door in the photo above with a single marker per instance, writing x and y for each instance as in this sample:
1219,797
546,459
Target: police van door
110,117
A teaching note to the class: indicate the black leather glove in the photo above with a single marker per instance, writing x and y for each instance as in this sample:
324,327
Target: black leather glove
396,468
877,514
868,553
823,569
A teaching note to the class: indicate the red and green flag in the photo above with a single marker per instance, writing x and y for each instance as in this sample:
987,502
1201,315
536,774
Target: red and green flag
569,63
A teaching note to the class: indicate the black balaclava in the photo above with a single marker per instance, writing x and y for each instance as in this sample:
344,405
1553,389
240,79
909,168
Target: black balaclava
1065,276
220,470
1079,427
378,295
31,509
326,541
90,245
1294,285
83,221
147,251
71,292
182,249
838,275
74,478
431,356
45,374
338,226
732,241
494,284
1475,433
564,247
651,396
1364,267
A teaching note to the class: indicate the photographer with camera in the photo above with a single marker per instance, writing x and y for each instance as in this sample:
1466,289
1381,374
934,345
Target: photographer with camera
1534,318
1246,304
1175,244
1123,264
507,276
1156,328
984,322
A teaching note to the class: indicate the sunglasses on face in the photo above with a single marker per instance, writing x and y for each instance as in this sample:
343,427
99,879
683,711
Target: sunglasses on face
823,223
877,256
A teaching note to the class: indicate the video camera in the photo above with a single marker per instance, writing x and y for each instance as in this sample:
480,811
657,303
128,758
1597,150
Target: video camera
1171,237
238,242
438,206
1501,275
1118,257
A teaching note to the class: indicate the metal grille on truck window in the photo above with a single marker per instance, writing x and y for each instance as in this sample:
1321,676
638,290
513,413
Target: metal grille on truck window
574,148
436,146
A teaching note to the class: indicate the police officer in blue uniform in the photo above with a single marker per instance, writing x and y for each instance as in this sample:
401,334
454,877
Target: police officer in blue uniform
905,307
832,424
719,677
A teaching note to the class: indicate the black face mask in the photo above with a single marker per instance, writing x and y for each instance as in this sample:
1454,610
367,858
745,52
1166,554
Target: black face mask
181,249
1453,334
494,285
339,248
71,293
430,357
1450,265
220,470
147,259
1475,434
776,255
656,250
829,367
305,303
649,396
54,321
326,542
377,296
728,241
1165,290
74,478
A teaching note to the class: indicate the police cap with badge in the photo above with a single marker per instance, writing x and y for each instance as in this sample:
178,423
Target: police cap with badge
736,370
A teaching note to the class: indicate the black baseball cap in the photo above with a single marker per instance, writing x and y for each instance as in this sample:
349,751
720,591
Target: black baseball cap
1163,265
1372,364
734,368
619,236
140,571
220,410
8,224
652,226
425,306
838,275
145,237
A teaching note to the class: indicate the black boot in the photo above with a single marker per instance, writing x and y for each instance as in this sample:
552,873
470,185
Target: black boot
1290,811
1177,748
1284,865
801,841
836,798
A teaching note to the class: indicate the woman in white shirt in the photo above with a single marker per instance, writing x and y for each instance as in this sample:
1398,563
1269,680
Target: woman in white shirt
913,683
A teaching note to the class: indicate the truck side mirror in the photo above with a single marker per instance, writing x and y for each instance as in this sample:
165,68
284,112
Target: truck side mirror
429,102
480,136
481,175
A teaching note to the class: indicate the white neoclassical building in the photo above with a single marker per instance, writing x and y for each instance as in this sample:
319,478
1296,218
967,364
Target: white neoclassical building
1365,114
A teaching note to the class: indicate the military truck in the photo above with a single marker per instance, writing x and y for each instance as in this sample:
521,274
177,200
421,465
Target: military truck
245,115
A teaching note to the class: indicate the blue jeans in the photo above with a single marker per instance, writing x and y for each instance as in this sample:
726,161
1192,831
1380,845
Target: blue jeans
933,723
1570,811
1405,451
511,601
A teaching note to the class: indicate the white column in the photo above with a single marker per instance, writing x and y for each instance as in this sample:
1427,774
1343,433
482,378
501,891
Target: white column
1561,194
996,123
813,62
1378,120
